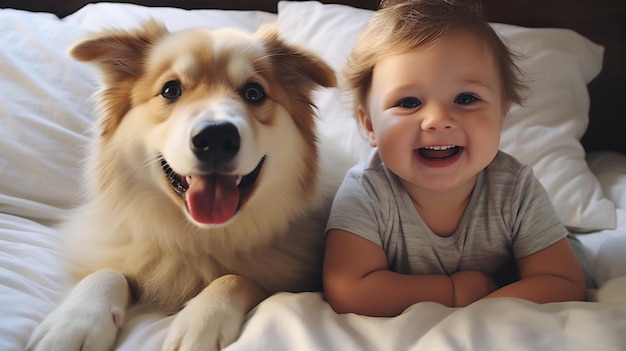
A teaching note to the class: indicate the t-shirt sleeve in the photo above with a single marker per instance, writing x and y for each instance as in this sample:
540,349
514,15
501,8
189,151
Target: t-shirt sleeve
536,224
356,207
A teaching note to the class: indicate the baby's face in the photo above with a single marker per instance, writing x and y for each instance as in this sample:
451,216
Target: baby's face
436,112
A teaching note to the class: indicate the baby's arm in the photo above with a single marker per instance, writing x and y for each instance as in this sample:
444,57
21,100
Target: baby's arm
357,279
471,286
550,275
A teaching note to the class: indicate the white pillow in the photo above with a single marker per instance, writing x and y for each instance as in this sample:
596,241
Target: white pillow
544,133
44,117
610,169
102,15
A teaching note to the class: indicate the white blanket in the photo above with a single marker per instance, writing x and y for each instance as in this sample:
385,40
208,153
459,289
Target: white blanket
46,112
305,322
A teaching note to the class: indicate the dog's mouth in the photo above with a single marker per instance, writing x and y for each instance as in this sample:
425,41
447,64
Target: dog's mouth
212,198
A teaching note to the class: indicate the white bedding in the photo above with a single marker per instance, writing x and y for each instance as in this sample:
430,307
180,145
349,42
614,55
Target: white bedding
46,113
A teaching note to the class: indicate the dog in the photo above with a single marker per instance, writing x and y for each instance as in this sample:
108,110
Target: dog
206,189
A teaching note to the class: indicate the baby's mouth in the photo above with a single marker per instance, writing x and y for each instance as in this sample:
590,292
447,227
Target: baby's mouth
436,153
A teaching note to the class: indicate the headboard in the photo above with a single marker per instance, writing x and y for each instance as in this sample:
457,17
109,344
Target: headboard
603,21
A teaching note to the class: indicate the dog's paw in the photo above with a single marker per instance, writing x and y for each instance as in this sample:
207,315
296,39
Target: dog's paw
88,320
213,319
203,326
75,326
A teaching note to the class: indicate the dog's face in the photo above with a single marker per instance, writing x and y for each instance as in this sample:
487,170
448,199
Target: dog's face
212,118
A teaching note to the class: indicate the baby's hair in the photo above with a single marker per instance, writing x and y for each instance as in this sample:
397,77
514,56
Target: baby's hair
403,25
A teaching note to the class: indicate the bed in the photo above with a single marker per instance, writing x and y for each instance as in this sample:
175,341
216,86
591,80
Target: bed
571,131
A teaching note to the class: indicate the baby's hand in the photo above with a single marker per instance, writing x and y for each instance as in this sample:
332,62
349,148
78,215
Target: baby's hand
471,286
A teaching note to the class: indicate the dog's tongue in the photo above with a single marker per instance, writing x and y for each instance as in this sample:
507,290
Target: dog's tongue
212,199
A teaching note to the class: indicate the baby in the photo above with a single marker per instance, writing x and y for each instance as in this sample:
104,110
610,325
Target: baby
439,213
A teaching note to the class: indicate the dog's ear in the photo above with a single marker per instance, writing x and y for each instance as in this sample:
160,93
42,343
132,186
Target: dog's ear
119,53
297,66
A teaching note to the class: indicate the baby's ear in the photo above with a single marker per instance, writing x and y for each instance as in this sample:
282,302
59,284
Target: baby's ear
366,124
119,53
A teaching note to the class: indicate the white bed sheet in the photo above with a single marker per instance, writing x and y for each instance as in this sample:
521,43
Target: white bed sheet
304,321
44,126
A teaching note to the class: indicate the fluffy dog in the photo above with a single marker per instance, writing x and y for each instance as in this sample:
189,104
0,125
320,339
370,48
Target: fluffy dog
206,187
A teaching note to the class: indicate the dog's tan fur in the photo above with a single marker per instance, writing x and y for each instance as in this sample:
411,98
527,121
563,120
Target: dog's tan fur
135,240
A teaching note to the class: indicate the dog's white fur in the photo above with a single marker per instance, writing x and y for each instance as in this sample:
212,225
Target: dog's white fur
134,241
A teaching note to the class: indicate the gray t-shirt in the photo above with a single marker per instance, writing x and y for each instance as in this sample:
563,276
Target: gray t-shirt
509,216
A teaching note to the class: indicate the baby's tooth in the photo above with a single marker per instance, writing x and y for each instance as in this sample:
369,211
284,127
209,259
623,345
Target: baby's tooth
439,148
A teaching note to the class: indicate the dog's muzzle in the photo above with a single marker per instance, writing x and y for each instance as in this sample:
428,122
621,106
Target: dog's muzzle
213,194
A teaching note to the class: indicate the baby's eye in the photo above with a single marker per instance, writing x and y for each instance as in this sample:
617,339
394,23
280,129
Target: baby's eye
409,103
465,99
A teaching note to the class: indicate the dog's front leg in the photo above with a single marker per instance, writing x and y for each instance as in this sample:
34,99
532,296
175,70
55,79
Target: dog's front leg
88,319
213,319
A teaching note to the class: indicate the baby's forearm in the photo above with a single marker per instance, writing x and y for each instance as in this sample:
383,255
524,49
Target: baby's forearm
386,293
542,289
550,275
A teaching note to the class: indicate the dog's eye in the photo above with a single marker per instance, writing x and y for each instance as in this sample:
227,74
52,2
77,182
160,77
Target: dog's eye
253,93
171,90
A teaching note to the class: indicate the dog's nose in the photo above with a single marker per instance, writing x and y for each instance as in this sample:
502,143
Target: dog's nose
215,142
